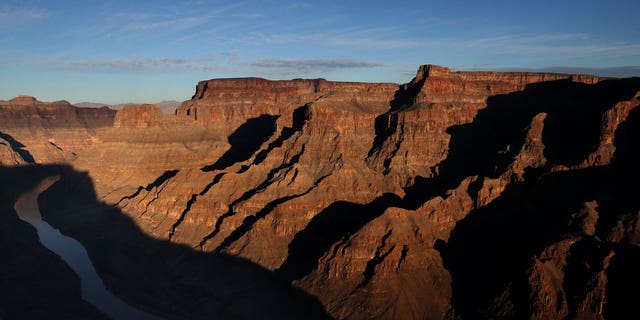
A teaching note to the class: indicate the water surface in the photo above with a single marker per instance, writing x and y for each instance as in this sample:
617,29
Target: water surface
75,255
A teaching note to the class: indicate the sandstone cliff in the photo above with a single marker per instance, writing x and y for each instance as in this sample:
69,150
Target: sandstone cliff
456,195
51,132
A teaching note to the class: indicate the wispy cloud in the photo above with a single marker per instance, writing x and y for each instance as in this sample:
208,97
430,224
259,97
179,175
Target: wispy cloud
229,56
249,15
304,66
140,24
227,62
407,72
505,43
128,64
552,37
567,44
363,38
572,43
510,41
11,16
179,23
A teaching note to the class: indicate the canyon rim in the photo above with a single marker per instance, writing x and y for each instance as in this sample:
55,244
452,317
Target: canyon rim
458,195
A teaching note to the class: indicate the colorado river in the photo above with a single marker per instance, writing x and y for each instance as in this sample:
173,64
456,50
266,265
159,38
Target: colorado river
75,255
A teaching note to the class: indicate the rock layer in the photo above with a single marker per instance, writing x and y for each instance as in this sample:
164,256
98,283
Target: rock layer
457,195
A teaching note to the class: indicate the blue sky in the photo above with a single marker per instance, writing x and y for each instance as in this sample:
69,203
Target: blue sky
148,51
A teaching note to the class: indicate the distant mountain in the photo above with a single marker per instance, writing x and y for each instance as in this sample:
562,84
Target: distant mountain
168,106
91,105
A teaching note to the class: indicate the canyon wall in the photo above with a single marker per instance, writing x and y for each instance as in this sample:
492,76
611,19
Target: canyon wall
456,195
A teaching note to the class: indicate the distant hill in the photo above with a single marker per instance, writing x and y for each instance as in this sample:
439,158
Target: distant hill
92,105
168,107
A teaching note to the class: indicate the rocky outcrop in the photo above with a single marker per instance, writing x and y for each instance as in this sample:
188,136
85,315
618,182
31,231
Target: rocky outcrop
435,84
138,116
51,132
28,112
412,137
233,101
457,195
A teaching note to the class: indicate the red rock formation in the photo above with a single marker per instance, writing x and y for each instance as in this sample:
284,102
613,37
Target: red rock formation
233,101
435,100
459,194
138,116
440,85
52,132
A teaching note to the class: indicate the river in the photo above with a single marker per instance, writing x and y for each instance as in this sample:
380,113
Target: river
75,255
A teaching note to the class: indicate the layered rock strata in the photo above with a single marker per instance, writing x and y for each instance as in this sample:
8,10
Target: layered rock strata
457,195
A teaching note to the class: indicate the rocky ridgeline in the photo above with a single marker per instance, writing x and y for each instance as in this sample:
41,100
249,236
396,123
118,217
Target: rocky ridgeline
457,195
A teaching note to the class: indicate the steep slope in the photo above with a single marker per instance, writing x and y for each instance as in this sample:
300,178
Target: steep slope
36,283
457,195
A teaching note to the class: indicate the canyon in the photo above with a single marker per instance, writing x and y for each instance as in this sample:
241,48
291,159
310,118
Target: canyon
458,195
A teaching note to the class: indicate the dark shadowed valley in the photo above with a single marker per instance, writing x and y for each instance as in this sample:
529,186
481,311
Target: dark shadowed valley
457,195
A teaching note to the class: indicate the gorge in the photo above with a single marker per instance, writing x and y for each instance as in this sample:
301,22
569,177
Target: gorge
458,195
72,252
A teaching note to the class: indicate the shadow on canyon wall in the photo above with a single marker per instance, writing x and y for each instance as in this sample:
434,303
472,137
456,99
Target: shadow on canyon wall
529,216
299,116
34,282
173,281
245,141
623,271
17,147
490,250
336,222
488,145
492,247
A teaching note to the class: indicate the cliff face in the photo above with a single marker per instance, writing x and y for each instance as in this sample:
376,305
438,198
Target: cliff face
459,194
50,131
413,137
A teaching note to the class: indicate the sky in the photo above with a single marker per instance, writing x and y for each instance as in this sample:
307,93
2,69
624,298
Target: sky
148,51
